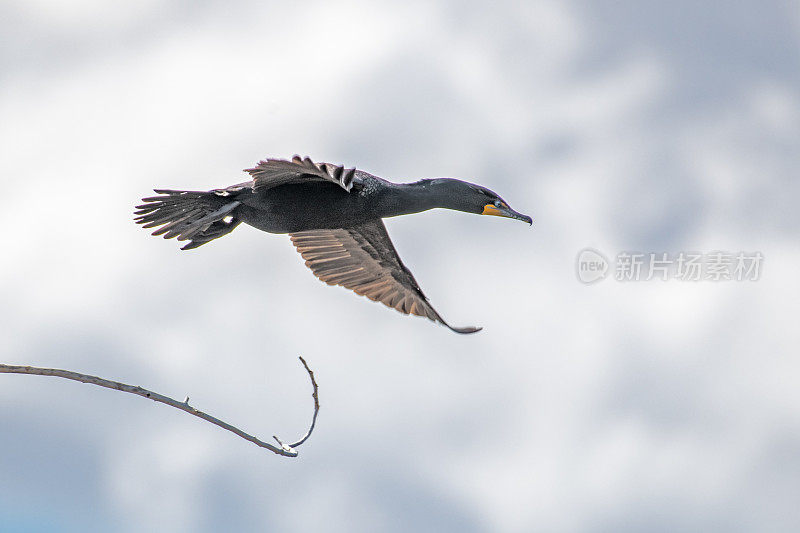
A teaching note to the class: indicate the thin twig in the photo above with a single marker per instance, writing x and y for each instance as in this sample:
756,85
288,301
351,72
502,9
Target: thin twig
315,395
287,450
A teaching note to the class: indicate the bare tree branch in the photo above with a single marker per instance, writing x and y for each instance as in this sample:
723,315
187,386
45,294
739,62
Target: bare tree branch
287,450
315,395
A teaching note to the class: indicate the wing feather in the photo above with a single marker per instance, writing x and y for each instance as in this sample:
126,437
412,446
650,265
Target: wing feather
274,172
362,258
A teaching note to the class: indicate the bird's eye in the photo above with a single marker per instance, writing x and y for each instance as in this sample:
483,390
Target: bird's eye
498,203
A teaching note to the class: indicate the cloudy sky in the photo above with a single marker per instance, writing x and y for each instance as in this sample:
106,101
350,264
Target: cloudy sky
620,406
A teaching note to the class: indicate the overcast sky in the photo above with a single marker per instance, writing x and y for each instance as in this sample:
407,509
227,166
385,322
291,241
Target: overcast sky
620,406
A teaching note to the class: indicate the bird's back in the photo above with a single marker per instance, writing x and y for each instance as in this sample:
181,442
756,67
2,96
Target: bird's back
313,205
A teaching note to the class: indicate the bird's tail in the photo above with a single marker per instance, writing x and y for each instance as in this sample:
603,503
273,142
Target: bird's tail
195,216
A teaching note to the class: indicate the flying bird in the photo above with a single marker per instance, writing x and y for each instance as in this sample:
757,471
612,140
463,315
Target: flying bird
333,216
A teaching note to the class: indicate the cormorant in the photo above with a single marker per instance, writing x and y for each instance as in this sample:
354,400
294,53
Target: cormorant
333,217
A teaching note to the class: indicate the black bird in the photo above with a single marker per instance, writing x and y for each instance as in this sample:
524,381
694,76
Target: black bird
333,216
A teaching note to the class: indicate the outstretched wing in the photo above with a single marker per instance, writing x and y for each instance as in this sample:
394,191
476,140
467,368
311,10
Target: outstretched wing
362,258
273,172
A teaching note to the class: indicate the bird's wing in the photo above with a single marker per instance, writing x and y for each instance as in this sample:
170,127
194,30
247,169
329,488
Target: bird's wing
273,172
362,258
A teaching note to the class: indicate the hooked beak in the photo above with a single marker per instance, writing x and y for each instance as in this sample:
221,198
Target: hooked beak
505,211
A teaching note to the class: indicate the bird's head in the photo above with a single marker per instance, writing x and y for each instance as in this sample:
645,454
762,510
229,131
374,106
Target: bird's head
471,198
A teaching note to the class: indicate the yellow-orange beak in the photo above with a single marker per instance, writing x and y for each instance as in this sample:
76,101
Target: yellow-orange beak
505,211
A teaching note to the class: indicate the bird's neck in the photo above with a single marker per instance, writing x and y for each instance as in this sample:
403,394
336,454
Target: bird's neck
407,198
